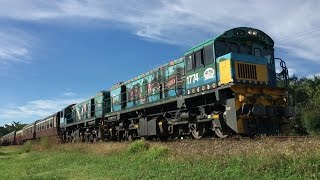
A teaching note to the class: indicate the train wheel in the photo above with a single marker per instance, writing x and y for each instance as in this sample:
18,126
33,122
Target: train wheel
222,133
132,135
196,131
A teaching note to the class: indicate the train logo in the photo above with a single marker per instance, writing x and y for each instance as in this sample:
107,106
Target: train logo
208,74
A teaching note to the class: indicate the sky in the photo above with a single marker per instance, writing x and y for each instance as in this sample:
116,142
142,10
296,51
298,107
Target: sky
55,53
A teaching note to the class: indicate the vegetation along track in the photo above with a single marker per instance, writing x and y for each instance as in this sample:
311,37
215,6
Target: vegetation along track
244,146
239,138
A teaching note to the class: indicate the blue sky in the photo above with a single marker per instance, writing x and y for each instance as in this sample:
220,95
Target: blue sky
54,53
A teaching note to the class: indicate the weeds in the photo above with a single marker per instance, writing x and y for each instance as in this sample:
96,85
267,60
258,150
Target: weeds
138,147
45,143
206,159
27,147
157,152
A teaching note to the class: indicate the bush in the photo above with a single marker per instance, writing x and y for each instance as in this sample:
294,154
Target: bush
311,120
45,143
138,147
27,147
157,152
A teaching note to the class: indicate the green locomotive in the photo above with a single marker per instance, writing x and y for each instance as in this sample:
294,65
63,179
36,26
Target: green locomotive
225,85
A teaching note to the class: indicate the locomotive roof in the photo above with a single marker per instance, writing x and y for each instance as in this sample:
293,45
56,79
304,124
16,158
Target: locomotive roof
171,63
100,93
231,33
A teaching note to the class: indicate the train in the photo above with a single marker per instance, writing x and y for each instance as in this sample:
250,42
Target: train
223,86
46,127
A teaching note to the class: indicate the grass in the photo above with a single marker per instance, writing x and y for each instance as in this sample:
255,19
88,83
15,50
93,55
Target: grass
207,159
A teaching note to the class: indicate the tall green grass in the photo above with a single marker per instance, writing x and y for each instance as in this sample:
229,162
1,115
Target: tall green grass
147,160
27,147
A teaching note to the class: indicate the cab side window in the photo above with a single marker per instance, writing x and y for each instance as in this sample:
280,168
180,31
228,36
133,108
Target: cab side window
198,59
208,55
189,60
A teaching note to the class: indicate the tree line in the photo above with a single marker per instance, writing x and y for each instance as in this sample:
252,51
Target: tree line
14,126
304,95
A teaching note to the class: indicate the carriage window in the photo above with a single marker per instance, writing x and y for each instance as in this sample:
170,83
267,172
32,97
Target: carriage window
198,59
257,52
208,55
189,60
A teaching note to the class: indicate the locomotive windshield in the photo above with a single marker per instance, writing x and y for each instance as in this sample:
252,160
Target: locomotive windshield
248,48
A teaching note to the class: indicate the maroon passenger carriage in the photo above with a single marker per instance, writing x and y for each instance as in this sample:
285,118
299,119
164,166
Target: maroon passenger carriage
19,137
9,139
47,127
28,132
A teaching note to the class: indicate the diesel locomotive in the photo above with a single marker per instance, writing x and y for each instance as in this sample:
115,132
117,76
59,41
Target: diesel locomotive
225,85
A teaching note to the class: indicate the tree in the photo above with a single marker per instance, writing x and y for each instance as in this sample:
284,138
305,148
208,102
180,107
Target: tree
14,126
304,94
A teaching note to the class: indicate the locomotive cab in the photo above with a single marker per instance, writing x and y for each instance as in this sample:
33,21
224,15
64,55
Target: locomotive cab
245,63
245,55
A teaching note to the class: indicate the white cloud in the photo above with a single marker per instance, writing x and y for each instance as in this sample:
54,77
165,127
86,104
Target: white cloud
311,76
293,24
15,46
33,110
292,71
68,92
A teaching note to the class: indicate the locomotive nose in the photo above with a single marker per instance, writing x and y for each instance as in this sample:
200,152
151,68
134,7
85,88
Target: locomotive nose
258,110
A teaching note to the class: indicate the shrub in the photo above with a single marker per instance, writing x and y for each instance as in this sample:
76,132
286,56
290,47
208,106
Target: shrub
311,120
27,147
157,152
138,146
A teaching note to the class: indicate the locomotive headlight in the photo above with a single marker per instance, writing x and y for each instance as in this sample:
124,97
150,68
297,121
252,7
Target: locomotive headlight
250,32
254,33
241,97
